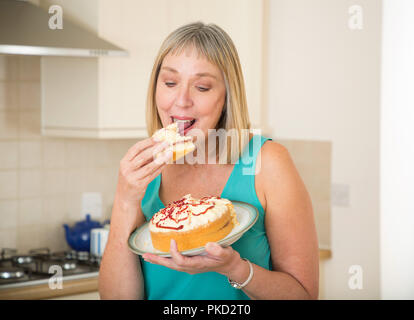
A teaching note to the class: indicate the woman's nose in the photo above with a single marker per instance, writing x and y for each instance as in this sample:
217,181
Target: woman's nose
184,97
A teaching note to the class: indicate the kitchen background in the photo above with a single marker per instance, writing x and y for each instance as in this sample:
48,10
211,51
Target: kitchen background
313,74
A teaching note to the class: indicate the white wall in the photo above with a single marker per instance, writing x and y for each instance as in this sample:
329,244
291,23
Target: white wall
397,151
323,84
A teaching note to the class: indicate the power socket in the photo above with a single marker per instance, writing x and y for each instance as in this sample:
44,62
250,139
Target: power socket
92,204
340,195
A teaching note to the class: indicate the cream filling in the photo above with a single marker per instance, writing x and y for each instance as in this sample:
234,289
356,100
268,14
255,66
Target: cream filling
171,134
190,218
178,144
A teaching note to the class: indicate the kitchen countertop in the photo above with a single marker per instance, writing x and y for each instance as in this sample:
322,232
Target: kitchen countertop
72,285
40,289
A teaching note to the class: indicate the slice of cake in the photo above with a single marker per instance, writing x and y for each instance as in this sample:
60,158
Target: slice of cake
180,145
192,222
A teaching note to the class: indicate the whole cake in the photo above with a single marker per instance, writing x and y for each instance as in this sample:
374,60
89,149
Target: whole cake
180,145
192,222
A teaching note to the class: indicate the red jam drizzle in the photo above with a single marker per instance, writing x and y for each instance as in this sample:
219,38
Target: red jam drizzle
180,214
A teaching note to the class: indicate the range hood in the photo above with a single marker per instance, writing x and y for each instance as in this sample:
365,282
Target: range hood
24,30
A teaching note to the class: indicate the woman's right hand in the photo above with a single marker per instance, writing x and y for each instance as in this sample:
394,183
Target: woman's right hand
138,168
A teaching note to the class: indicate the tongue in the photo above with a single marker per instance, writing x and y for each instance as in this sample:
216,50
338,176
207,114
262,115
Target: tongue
181,128
188,124
183,125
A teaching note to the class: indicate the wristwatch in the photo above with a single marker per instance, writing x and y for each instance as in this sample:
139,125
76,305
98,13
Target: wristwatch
237,285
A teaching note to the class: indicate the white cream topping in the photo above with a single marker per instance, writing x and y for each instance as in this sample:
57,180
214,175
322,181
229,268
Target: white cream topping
189,217
171,134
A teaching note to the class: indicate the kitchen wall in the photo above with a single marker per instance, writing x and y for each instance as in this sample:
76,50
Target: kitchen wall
324,84
42,178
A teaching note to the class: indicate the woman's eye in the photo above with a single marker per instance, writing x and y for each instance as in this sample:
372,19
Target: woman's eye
203,89
170,84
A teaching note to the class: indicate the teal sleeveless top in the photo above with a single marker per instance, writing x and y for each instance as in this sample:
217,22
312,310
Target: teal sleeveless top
162,283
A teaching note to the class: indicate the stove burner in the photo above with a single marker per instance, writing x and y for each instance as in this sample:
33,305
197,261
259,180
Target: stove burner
82,255
21,260
68,265
36,265
64,255
11,273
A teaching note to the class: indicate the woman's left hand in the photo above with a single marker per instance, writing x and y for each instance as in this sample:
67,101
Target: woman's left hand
217,258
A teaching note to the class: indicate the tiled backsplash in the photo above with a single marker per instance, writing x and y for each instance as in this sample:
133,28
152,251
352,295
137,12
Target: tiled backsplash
42,178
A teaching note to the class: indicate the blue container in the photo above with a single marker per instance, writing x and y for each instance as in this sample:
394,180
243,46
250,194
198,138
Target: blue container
78,237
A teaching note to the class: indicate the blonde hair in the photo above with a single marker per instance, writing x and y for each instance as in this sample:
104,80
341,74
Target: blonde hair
215,44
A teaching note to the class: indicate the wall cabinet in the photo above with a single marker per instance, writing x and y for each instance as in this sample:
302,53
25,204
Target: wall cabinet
105,97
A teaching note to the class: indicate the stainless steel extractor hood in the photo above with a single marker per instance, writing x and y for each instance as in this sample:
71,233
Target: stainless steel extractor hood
24,29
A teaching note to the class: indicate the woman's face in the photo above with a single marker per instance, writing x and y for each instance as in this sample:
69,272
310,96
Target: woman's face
189,87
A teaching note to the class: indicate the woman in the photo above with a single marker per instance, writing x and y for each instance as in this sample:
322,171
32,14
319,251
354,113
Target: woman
197,75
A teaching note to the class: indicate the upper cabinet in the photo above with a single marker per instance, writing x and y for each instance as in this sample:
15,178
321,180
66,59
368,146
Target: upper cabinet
105,97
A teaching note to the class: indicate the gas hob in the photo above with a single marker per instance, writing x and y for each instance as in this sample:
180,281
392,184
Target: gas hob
40,265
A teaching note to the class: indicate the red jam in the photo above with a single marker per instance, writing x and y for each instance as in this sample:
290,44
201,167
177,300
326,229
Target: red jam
182,213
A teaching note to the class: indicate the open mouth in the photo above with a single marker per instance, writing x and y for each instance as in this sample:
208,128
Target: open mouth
184,125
